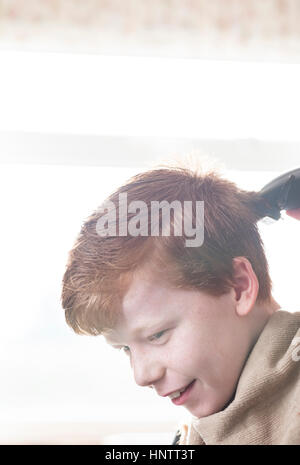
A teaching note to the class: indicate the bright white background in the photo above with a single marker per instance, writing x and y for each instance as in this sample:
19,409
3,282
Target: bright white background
52,92
48,374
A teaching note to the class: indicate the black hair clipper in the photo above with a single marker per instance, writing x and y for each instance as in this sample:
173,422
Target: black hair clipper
283,193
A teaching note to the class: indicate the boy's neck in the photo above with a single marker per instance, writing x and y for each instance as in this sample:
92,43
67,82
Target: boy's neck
260,315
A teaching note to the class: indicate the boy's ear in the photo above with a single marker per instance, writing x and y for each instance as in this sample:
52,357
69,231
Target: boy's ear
245,287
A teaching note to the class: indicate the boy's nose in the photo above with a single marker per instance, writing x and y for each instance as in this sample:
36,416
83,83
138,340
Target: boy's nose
146,371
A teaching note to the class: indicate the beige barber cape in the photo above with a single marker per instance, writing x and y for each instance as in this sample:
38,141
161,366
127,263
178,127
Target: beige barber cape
266,406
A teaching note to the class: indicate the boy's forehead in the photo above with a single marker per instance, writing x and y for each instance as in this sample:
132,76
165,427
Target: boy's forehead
148,304
144,306
141,292
144,300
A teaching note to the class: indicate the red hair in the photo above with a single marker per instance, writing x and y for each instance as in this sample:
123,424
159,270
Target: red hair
100,269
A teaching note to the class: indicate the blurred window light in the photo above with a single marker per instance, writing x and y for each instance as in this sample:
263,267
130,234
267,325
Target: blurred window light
148,96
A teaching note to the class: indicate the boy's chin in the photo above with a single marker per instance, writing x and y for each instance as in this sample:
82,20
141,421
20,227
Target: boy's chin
205,409
202,412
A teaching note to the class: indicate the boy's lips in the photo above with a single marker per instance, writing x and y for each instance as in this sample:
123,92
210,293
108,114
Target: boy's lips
176,390
184,395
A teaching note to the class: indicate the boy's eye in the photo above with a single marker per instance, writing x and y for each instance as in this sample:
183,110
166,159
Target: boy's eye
157,335
125,349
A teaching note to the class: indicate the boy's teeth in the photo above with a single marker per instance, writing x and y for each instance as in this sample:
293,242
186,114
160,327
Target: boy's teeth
176,394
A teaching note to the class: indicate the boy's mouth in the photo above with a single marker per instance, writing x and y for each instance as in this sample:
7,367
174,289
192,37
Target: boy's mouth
180,392
184,395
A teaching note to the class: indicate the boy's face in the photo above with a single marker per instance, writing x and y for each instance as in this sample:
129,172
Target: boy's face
188,336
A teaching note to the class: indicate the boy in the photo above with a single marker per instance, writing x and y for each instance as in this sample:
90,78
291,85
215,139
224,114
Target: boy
196,319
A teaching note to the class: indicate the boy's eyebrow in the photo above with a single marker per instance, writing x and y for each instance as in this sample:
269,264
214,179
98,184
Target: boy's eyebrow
137,330
141,328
